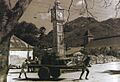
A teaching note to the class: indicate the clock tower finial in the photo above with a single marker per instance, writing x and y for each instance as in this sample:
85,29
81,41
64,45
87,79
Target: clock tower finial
57,2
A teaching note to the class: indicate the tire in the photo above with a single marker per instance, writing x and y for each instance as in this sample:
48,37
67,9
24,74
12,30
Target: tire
44,73
55,72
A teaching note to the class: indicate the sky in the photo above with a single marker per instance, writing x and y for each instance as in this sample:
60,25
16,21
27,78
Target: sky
38,11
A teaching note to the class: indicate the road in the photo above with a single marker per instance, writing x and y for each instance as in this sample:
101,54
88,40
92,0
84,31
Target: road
109,72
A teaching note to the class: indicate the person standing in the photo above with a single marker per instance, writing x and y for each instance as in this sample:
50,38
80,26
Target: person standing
23,67
30,62
36,60
86,64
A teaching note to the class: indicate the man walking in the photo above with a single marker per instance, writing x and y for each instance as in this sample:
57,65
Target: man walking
86,63
23,67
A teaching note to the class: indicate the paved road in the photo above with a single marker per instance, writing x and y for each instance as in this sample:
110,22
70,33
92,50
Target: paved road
109,72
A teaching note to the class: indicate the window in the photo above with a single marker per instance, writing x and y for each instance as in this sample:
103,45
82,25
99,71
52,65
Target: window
60,28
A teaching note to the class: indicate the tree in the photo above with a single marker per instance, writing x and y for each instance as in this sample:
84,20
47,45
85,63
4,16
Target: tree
27,32
8,19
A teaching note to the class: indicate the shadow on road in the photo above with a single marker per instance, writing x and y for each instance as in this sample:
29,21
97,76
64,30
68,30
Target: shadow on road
112,72
37,79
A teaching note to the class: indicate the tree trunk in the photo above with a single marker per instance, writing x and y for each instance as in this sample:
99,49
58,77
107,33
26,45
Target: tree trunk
4,53
8,20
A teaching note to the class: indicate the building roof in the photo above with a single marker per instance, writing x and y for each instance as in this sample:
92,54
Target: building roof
18,44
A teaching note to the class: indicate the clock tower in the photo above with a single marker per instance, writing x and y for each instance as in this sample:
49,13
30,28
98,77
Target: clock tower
57,18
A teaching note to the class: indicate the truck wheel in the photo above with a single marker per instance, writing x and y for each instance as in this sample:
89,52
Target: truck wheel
44,73
55,72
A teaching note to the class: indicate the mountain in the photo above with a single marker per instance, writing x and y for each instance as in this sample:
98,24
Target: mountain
74,30
114,24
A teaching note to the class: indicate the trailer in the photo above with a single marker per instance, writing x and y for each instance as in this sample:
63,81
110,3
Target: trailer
51,64
45,71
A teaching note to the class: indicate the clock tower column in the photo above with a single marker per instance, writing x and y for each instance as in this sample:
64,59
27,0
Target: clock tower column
57,18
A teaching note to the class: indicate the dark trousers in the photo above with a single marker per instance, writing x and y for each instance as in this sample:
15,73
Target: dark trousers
22,71
83,70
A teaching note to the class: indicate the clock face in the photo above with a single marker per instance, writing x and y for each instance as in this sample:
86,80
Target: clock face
59,15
